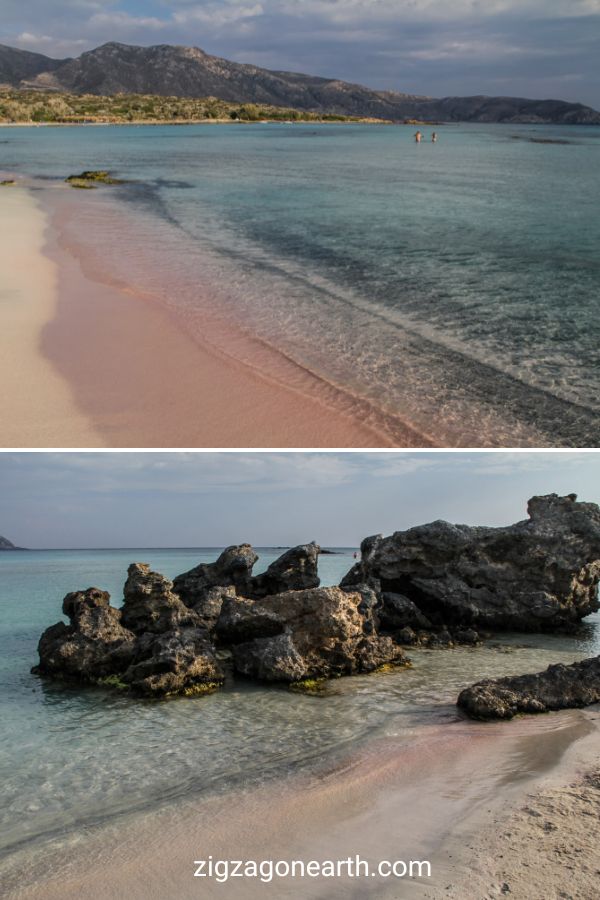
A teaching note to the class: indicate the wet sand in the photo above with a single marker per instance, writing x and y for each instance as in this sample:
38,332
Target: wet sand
132,376
544,844
424,801
37,408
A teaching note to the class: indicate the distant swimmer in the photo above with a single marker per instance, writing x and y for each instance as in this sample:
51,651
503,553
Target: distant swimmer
434,138
418,137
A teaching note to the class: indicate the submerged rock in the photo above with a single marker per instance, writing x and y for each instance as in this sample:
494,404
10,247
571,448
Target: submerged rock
93,645
559,687
90,178
538,575
299,635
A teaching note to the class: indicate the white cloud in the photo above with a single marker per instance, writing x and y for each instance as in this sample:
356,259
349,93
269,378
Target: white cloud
45,43
123,20
218,14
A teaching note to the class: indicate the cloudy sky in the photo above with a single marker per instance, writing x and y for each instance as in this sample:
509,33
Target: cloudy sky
535,48
214,499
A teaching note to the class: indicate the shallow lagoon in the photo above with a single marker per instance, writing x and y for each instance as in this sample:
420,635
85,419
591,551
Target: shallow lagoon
73,757
452,285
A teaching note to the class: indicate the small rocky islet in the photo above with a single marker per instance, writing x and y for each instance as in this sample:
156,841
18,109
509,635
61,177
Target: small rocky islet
435,585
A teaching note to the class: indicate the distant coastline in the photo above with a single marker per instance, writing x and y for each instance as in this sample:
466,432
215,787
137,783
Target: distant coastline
23,107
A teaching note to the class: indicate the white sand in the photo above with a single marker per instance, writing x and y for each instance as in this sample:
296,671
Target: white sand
36,405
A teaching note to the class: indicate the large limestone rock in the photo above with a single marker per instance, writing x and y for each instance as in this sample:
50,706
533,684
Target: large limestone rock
559,687
297,635
93,645
540,574
295,570
150,604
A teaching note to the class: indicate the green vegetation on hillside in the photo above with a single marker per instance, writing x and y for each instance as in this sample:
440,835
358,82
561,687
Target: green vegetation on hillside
46,107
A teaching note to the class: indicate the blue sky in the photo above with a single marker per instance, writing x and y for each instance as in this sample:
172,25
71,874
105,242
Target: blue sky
536,48
214,499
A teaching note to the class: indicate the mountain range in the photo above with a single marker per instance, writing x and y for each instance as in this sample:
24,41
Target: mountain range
167,70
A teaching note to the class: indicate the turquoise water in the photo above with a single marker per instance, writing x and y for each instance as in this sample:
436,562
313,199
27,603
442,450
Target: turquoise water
74,757
453,286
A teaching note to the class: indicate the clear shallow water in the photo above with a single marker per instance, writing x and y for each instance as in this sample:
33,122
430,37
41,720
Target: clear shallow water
72,757
454,286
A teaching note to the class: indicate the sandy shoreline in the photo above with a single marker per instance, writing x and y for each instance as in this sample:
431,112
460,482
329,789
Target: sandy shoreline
133,377
544,844
36,405
431,800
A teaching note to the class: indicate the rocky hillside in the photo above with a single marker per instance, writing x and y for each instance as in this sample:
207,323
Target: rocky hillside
5,544
190,72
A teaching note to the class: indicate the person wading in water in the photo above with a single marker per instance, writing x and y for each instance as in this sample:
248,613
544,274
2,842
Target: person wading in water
418,137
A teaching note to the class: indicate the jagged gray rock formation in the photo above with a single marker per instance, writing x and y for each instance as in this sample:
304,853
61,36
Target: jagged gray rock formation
156,645
205,587
181,661
297,635
96,647
538,575
92,646
559,687
150,604
233,569
190,72
295,570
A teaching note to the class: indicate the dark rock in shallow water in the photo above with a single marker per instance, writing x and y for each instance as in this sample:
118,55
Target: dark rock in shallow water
151,605
91,178
181,661
92,646
304,634
96,647
559,687
538,575
295,570
233,568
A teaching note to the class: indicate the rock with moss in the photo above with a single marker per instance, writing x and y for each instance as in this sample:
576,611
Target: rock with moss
559,687
309,686
154,646
91,178
180,661
299,635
